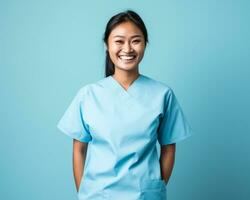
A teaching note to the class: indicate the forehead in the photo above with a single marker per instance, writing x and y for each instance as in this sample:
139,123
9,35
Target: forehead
126,29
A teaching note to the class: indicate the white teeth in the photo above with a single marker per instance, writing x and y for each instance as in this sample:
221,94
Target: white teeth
127,57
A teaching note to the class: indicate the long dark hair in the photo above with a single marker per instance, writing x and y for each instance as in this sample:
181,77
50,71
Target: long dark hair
117,19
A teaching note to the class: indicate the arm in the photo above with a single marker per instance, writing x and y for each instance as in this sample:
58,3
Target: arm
167,158
79,155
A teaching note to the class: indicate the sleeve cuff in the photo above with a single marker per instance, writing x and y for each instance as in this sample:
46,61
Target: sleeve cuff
75,135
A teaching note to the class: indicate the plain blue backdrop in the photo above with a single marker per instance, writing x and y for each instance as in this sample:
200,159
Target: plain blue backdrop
51,48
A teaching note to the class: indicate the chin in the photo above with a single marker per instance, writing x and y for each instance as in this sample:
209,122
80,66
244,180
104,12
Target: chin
127,68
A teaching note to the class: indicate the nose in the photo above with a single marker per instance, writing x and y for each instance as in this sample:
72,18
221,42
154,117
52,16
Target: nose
127,47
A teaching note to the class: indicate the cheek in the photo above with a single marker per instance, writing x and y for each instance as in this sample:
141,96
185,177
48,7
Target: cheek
139,47
114,50
140,50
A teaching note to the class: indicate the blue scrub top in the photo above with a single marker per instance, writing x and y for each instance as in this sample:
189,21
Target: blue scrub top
122,128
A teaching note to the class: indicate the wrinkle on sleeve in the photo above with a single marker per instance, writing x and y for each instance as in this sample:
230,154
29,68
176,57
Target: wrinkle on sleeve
72,122
173,126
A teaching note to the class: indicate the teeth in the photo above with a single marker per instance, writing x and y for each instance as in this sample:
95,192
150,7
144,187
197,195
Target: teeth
127,57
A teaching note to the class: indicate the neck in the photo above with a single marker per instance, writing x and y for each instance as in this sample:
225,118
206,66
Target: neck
125,78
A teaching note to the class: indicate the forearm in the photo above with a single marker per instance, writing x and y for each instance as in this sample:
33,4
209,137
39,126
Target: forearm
79,155
167,159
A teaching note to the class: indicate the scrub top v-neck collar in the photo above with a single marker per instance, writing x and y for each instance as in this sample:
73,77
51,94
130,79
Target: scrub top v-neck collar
132,90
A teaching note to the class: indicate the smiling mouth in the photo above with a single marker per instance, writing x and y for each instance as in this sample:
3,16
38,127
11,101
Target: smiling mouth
127,58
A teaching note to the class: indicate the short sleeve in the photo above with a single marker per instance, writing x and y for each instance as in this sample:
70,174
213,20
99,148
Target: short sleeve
72,122
173,125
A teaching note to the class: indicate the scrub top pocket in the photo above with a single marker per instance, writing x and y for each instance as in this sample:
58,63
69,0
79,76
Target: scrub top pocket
153,190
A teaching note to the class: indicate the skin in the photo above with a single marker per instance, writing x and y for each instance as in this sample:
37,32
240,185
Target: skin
79,156
125,39
167,159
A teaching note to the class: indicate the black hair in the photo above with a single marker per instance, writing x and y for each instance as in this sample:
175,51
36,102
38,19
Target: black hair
117,19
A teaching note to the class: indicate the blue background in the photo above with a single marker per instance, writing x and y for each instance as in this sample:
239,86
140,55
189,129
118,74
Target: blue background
50,48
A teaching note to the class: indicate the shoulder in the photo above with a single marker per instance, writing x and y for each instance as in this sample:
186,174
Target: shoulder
157,85
91,87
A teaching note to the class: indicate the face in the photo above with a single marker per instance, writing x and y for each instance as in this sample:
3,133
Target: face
126,46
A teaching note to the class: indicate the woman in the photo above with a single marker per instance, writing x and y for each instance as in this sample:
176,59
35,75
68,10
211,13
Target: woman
116,122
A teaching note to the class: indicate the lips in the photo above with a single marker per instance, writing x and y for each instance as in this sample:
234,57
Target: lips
127,57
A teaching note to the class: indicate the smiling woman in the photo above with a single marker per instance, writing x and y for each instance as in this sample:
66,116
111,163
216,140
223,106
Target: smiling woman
117,122
126,47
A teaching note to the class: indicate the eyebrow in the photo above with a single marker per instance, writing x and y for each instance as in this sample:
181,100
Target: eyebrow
124,37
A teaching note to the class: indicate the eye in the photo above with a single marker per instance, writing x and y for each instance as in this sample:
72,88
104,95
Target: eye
118,41
136,41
